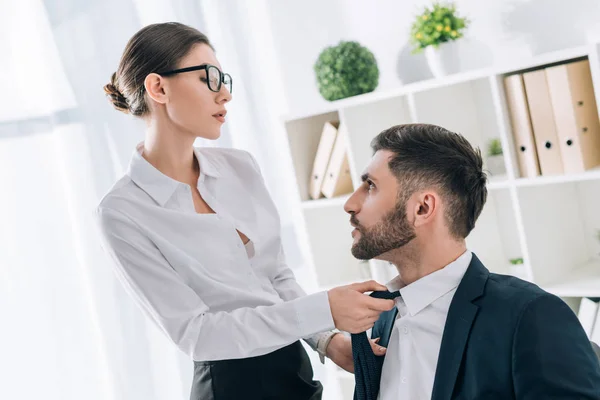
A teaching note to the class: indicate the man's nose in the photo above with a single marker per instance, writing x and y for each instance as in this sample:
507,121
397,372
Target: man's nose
351,205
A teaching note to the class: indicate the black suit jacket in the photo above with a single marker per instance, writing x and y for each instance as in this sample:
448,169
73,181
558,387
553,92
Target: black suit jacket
506,338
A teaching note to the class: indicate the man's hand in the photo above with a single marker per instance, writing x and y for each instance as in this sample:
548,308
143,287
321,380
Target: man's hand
340,351
354,311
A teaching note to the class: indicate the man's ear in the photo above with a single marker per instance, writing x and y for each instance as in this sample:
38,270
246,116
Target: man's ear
425,207
156,88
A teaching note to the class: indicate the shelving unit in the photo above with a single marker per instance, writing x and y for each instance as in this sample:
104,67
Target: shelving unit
549,221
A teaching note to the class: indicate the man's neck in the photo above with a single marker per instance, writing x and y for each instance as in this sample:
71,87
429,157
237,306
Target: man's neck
422,259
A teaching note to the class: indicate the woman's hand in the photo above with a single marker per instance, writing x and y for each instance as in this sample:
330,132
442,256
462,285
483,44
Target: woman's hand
340,351
352,310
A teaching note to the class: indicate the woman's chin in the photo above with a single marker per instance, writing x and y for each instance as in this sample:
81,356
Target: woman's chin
213,135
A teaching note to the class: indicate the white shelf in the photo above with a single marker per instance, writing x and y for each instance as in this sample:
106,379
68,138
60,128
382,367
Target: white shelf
325,202
431,84
556,179
583,281
503,182
560,224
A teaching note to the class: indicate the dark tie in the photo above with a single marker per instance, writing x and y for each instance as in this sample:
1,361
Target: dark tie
367,366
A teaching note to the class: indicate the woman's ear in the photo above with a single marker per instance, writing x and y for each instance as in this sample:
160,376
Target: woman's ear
156,88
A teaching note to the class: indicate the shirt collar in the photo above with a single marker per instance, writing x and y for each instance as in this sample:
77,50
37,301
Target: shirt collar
429,288
208,166
158,185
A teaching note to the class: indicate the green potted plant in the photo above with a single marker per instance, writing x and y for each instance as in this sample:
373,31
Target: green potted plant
495,159
345,70
435,31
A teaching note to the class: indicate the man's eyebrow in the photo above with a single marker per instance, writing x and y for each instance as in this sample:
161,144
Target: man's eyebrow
366,176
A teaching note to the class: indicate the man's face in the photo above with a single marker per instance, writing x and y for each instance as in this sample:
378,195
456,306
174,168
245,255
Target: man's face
377,213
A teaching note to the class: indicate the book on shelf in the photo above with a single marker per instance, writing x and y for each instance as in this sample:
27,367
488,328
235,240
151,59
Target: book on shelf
542,120
331,168
527,157
554,119
322,156
576,115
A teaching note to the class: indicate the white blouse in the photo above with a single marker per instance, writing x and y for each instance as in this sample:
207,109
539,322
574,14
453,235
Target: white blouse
191,273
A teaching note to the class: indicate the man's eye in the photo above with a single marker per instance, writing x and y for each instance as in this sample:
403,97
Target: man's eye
371,185
203,79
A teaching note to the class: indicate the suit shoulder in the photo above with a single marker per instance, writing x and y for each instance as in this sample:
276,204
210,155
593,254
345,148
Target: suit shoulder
507,298
513,290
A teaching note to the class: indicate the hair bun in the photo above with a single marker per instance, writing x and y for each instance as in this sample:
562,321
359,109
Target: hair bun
116,97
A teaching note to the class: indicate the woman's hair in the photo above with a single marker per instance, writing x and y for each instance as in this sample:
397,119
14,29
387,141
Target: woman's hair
154,48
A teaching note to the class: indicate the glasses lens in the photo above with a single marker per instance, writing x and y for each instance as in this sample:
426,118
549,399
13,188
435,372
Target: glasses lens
227,81
214,79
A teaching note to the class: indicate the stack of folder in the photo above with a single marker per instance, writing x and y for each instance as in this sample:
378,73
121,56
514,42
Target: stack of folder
331,169
554,119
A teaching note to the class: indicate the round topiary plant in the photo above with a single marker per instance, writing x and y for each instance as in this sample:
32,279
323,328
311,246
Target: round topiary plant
346,70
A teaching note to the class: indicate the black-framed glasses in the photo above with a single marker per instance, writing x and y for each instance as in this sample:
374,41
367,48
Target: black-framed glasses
215,78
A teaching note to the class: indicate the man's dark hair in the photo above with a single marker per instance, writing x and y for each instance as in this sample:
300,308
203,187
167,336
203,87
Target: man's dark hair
429,155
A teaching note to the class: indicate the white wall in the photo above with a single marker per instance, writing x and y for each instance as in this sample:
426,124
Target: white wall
500,30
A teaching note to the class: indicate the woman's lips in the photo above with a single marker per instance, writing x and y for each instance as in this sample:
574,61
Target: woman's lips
220,116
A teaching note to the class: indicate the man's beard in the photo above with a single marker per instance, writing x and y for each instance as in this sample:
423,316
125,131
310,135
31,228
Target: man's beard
393,232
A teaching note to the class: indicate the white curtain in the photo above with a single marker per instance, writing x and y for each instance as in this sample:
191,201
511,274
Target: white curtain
68,331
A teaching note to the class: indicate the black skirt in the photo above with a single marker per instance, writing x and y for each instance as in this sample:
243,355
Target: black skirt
283,374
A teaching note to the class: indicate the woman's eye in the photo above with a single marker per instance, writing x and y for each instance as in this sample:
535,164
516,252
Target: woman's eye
203,80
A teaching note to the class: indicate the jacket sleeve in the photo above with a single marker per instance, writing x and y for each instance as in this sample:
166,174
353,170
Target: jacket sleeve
552,356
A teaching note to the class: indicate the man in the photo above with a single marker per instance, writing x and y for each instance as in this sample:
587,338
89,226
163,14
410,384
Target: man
457,331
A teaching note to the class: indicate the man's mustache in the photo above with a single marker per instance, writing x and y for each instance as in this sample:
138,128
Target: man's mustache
354,222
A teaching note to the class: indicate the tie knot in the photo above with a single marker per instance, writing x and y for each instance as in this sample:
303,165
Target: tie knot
386,295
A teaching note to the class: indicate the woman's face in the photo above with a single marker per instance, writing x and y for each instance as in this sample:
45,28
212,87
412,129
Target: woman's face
191,105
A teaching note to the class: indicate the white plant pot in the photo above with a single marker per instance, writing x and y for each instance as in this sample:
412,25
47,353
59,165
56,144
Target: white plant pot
443,60
495,165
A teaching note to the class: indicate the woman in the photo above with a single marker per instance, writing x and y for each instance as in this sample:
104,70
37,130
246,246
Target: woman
195,235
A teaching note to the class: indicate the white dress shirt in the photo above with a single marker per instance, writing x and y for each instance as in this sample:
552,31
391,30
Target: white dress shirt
412,353
215,297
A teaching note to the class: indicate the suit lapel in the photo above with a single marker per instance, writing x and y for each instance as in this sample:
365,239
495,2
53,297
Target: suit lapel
461,315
